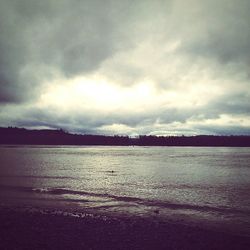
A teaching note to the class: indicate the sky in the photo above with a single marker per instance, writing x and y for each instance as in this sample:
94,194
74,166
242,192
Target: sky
127,67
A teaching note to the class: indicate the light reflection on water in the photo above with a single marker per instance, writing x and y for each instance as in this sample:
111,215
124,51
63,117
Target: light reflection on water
191,182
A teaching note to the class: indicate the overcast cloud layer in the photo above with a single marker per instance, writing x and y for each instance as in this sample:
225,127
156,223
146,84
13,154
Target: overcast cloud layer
126,67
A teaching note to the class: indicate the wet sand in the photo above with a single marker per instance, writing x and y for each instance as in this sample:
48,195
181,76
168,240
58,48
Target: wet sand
26,230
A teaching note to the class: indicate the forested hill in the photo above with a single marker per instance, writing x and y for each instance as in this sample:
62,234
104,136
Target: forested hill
23,136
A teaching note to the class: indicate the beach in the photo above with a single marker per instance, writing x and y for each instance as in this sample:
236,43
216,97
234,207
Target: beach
37,229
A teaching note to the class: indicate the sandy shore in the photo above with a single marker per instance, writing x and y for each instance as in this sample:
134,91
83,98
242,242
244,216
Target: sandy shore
26,230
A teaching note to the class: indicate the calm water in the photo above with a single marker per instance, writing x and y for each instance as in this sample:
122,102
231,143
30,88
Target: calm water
192,185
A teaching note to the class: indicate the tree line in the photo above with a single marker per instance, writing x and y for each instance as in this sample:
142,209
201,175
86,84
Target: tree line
13,135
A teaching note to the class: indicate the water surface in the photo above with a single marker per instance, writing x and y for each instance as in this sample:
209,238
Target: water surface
193,185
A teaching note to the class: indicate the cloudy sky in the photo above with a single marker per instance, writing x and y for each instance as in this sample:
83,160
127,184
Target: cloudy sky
159,67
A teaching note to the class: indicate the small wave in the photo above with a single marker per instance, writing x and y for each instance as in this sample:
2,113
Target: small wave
64,191
41,190
139,201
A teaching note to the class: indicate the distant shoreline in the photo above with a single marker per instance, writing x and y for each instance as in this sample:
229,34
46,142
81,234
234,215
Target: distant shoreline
22,136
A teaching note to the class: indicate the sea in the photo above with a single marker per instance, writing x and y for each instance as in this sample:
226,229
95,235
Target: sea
208,187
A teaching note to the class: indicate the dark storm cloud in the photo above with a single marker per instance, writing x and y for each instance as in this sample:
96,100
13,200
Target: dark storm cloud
15,18
231,104
224,33
39,37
